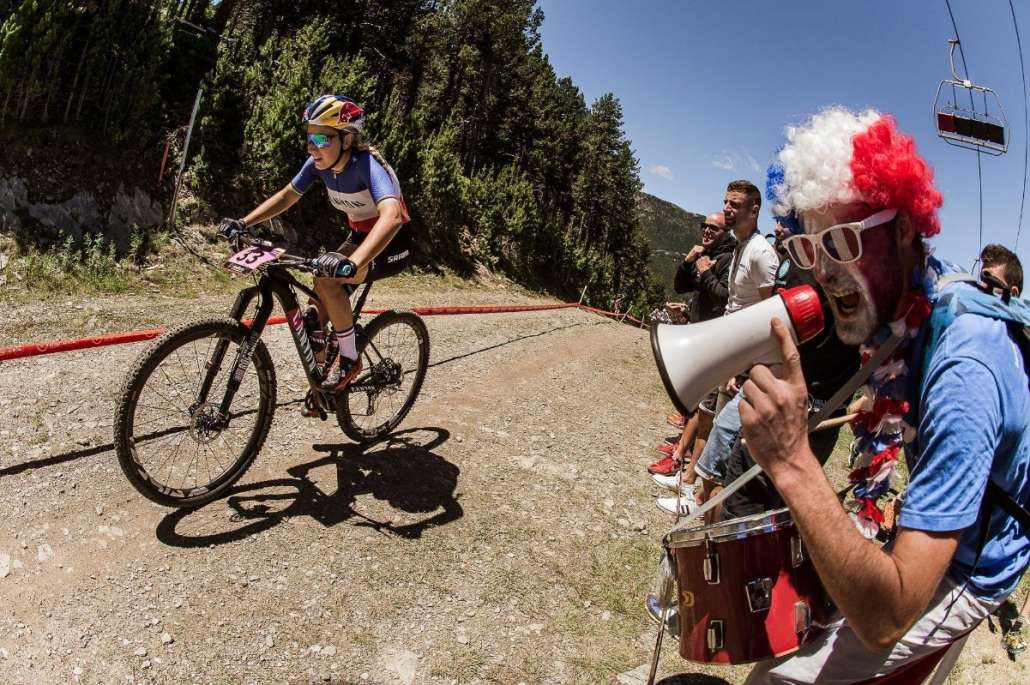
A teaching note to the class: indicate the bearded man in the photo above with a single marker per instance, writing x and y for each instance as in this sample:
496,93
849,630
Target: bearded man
860,202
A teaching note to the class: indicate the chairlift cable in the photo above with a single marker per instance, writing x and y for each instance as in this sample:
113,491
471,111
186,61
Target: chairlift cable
961,52
965,70
1026,126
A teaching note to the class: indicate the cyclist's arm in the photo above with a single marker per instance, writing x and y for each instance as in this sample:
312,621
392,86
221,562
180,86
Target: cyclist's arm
386,227
273,206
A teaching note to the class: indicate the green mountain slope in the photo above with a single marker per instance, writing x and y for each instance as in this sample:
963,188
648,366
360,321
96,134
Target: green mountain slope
671,231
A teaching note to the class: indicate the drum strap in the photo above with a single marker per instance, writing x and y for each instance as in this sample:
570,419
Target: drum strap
839,398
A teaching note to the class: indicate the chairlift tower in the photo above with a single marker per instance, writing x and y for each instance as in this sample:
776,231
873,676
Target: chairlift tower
973,128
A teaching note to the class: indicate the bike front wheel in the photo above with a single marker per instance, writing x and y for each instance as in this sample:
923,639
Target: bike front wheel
394,351
173,443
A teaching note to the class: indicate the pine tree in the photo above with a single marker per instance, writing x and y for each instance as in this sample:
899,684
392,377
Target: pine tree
502,163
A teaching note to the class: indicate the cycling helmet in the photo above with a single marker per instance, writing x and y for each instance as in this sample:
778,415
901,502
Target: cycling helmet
336,111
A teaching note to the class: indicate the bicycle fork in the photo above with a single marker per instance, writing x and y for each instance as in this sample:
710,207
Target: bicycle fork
244,354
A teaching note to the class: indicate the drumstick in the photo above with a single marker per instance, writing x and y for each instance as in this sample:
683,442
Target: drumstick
833,423
825,425
658,645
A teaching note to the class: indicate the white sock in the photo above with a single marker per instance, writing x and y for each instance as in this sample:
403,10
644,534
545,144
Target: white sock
348,347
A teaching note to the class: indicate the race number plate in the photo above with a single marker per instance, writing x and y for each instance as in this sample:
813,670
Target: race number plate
251,258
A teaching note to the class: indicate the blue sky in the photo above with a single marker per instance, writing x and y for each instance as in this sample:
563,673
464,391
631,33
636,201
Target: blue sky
707,87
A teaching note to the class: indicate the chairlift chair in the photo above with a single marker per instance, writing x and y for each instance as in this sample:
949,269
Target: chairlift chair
969,127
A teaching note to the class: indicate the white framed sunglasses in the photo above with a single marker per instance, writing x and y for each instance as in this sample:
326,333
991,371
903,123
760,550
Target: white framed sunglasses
842,243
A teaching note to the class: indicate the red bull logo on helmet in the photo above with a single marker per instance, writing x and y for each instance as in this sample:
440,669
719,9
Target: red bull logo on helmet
351,113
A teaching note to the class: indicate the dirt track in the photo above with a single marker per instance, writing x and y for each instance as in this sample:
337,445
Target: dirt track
505,535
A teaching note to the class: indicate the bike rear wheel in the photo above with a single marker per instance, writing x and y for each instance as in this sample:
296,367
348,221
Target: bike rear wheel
394,351
172,444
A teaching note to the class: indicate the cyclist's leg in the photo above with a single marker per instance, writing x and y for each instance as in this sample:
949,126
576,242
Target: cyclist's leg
394,258
391,261
335,300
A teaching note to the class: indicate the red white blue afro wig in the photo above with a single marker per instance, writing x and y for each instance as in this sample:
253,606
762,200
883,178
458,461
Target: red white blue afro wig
839,156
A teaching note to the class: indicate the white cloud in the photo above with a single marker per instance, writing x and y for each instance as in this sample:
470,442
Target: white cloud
730,160
726,161
661,171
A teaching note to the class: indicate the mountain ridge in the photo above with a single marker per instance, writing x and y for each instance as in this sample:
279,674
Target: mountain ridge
671,232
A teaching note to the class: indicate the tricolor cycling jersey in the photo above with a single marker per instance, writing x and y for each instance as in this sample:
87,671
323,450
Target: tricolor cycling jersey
356,190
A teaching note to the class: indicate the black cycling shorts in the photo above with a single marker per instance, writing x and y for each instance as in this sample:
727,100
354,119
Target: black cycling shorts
394,258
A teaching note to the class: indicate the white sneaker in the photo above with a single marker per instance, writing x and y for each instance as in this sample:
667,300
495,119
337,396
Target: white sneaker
672,481
687,505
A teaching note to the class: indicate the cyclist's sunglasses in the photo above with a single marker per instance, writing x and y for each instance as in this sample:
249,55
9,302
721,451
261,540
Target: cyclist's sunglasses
319,141
841,243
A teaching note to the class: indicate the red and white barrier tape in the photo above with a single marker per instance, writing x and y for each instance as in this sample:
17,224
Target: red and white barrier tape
54,346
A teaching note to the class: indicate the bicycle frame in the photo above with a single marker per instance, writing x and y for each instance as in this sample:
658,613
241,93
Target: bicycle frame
276,283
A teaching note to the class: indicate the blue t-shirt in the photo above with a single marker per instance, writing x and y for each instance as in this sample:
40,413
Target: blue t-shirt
974,420
356,190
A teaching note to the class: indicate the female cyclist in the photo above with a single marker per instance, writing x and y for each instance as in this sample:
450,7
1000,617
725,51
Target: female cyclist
361,184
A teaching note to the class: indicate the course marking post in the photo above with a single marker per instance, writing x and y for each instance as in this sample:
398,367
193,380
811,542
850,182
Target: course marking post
185,155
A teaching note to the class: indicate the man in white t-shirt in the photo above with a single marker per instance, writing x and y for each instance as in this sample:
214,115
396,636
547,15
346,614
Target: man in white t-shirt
752,275
755,262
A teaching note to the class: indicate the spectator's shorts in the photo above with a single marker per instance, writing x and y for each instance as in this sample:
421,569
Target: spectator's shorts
710,401
711,465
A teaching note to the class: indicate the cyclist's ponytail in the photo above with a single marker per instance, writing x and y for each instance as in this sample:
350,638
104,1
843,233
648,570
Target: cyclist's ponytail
361,144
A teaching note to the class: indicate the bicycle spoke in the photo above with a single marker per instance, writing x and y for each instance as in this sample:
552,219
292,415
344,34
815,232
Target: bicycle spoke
174,386
168,401
394,351
174,452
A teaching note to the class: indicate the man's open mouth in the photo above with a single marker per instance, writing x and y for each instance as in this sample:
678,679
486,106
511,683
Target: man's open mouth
847,304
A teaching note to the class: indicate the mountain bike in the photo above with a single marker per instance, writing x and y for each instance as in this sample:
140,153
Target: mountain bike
196,406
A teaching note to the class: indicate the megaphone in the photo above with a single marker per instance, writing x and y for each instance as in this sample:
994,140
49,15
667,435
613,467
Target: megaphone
696,358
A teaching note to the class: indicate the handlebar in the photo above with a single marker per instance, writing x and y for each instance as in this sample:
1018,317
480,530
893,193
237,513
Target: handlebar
285,260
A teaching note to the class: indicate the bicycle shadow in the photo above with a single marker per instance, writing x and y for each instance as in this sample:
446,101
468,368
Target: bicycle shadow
402,470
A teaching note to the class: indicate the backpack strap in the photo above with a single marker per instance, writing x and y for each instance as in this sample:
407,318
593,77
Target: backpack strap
1009,504
955,277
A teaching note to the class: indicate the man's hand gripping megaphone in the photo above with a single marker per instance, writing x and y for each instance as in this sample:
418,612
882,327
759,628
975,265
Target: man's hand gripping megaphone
774,412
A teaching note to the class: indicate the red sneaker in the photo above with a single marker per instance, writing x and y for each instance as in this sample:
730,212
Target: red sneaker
666,448
309,410
666,466
676,419
340,373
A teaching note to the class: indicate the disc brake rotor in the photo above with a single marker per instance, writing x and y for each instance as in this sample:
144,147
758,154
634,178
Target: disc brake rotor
206,423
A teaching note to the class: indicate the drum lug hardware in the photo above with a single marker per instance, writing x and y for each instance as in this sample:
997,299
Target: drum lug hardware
759,594
802,617
797,551
711,565
714,635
